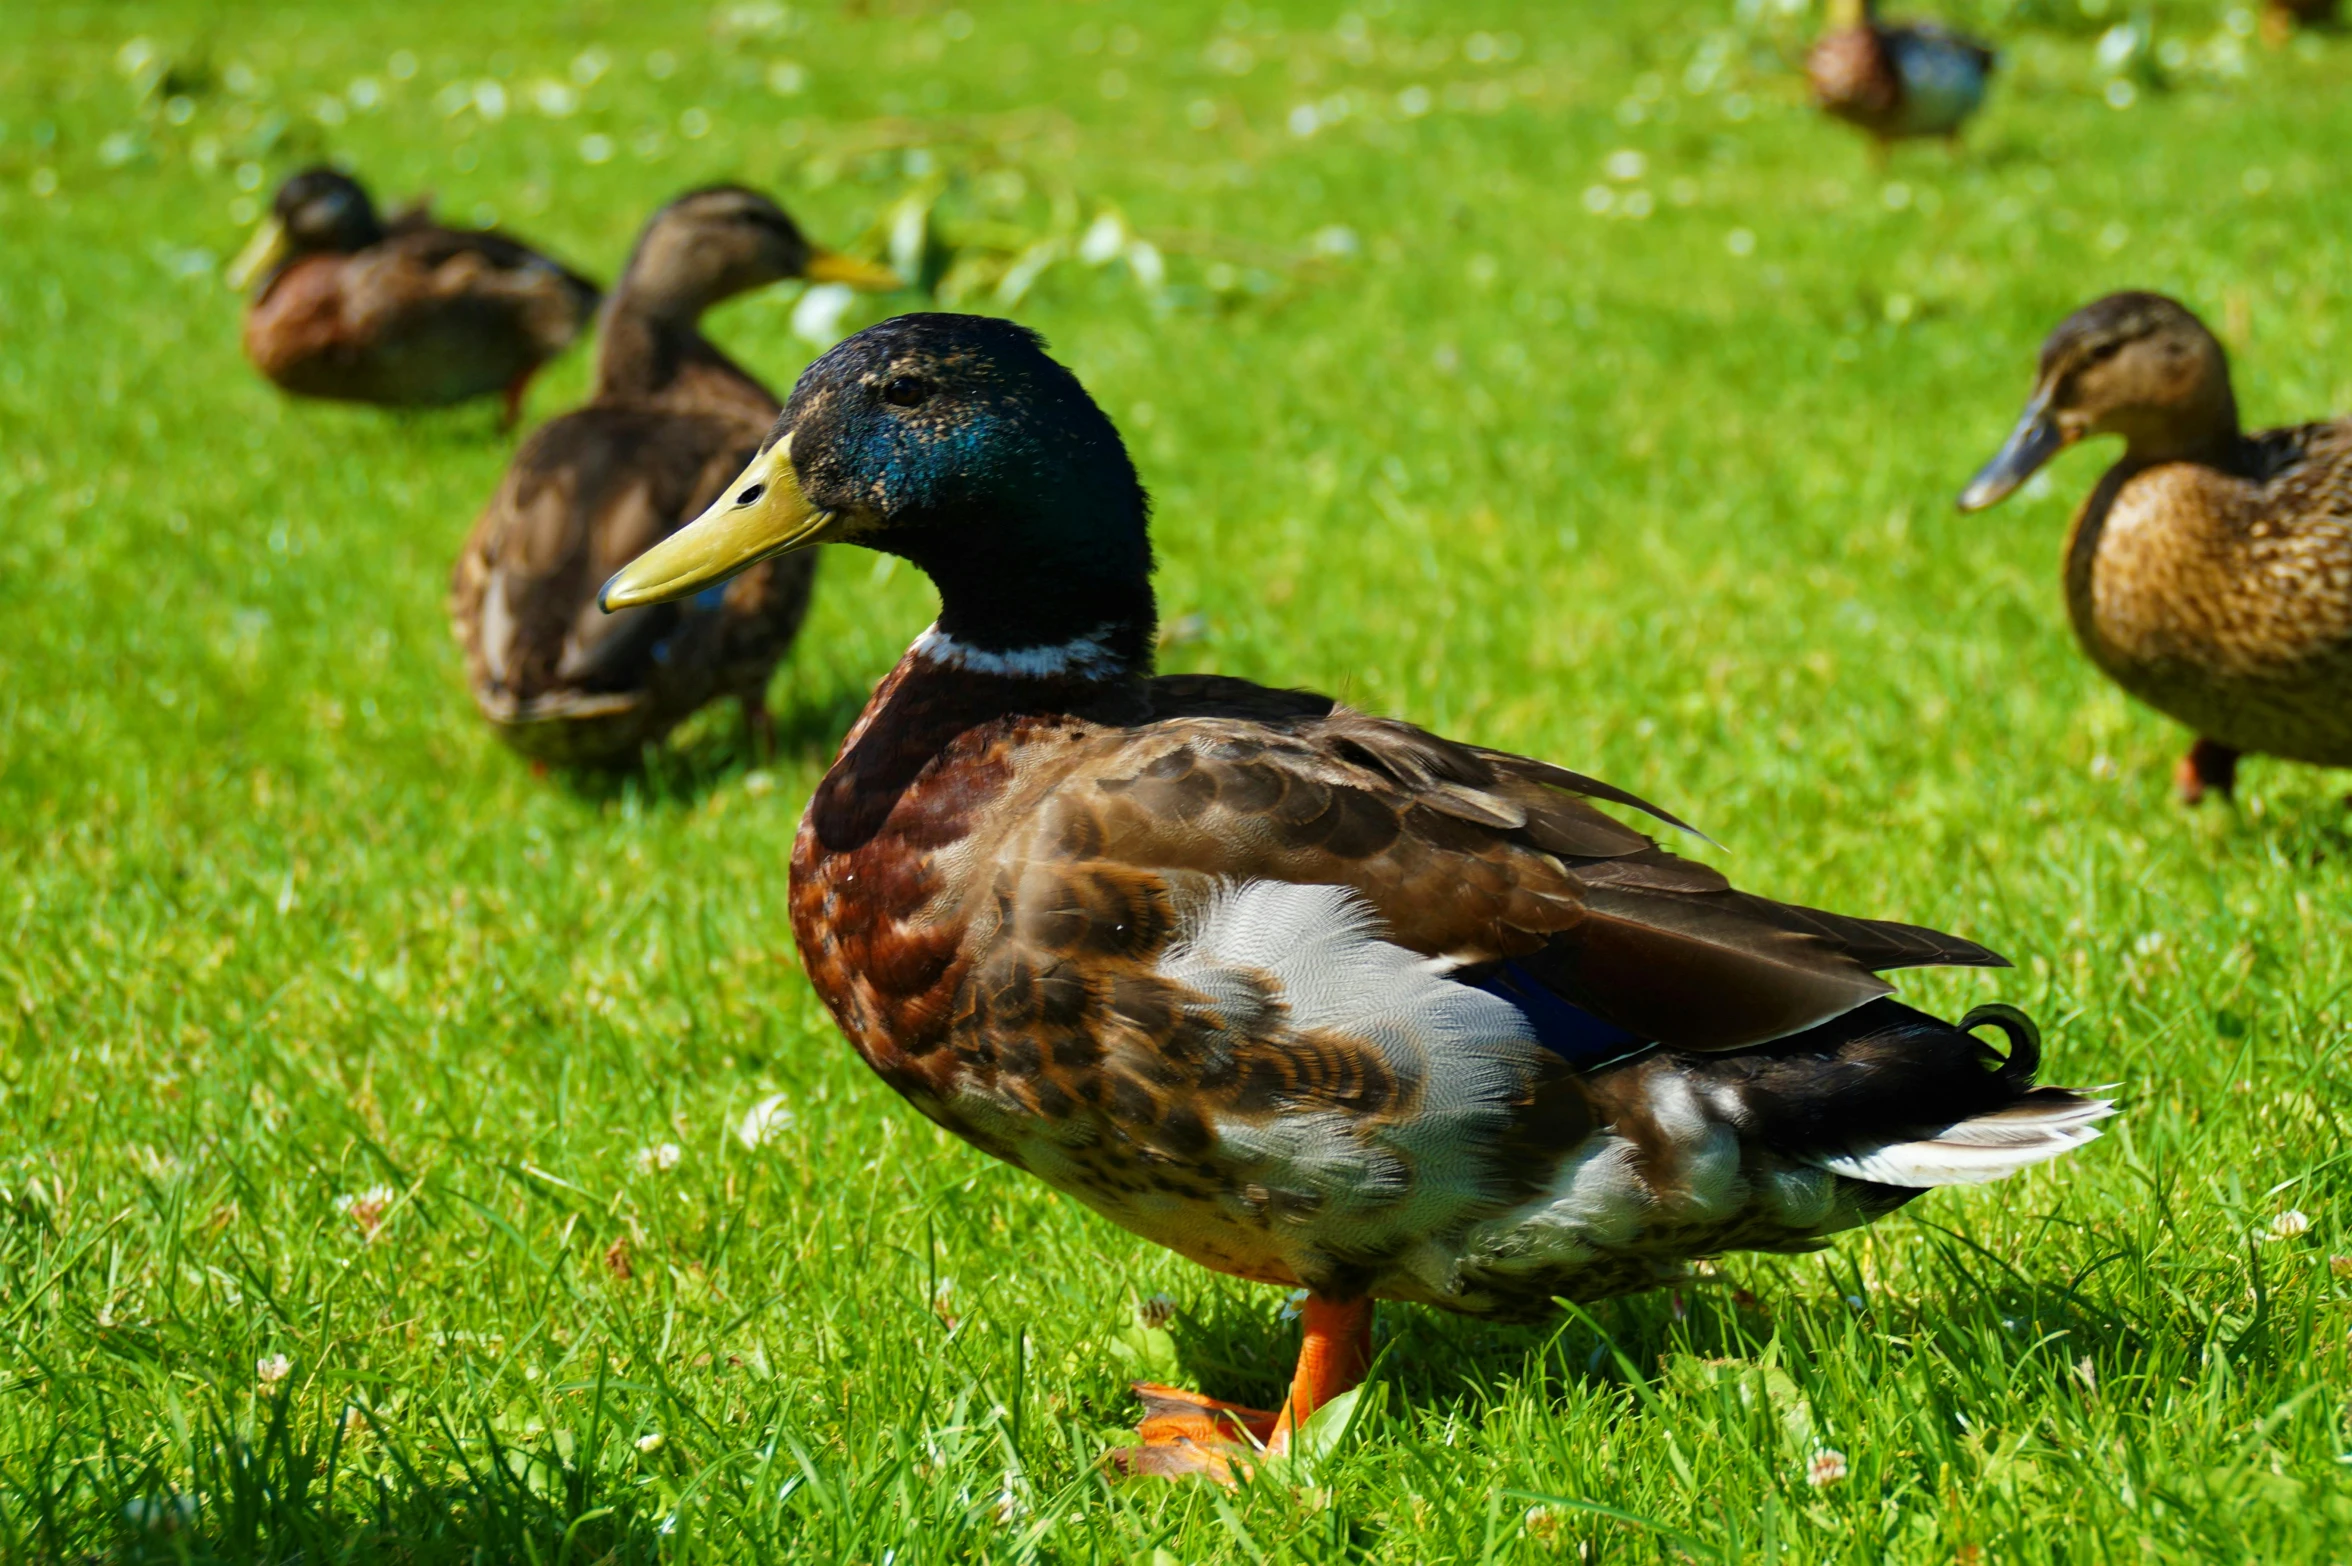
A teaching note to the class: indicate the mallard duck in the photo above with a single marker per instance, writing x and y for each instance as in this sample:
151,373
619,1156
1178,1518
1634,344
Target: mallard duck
2209,572
407,315
1309,996
1896,79
671,418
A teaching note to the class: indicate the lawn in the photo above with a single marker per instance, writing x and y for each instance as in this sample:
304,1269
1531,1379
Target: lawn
403,1157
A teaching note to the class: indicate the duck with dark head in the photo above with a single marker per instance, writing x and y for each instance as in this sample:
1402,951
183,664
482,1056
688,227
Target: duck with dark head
1311,997
1896,80
669,420
406,314
2209,571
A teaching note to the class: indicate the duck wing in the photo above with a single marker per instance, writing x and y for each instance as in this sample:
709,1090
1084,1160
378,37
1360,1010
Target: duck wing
1488,861
587,493
425,268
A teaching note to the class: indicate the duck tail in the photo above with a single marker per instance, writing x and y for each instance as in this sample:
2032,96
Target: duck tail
2039,1124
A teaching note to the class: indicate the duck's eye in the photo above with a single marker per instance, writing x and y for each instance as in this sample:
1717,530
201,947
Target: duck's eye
906,391
751,493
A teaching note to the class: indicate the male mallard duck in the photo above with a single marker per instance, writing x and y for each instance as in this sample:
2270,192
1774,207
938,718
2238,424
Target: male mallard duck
670,420
1311,997
2209,572
410,315
1896,79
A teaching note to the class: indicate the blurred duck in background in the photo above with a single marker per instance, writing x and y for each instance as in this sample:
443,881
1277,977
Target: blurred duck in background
2281,18
2209,572
670,420
1896,80
405,314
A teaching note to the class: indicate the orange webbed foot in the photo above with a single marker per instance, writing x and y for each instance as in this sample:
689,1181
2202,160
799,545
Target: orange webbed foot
2210,767
1185,1433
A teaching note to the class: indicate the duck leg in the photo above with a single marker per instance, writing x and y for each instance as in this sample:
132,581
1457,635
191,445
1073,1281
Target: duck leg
2210,766
511,401
759,726
1185,1433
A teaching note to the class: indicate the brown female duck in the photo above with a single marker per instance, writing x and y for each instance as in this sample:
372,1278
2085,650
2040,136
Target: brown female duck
2209,572
406,315
671,418
1311,997
1896,79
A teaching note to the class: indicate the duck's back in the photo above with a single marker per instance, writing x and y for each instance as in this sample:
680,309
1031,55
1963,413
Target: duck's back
427,317
1317,998
2224,598
587,493
1943,75
1899,79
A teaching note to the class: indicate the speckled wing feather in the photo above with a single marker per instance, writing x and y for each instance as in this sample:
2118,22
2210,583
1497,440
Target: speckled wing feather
1474,857
427,271
587,493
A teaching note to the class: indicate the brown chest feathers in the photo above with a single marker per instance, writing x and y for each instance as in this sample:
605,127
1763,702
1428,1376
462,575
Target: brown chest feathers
2224,599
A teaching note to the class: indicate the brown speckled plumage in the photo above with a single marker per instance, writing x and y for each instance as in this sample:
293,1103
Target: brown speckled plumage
407,315
2209,572
671,420
988,886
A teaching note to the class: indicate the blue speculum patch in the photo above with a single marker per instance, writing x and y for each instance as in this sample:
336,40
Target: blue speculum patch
1567,1030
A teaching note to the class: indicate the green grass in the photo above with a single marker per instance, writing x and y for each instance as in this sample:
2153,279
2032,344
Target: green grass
285,927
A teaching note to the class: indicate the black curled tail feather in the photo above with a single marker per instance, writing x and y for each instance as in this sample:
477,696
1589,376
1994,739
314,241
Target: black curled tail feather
1895,1097
2025,1041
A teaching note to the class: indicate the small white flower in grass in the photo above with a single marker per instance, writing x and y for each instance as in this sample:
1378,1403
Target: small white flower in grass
763,1122
367,1209
1827,1468
2290,1224
660,1158
1294,1306
650,1442
272,1370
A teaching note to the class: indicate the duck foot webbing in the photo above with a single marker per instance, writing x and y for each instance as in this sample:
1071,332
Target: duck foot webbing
1185,1433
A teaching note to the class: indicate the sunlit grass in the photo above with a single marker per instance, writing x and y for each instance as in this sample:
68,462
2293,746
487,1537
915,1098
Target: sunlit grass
375,1179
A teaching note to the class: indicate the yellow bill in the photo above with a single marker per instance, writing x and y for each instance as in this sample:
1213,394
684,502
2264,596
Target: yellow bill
831,266
262,253
762,514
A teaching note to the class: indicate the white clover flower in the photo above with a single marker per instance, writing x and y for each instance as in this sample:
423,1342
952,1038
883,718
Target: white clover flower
764,1121
272,1370
1827,1468
367,1208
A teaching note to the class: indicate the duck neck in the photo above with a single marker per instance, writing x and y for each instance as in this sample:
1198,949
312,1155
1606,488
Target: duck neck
1069,617
2208,433
649,334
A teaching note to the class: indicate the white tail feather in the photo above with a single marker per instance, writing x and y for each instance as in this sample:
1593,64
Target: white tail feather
1986,1148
